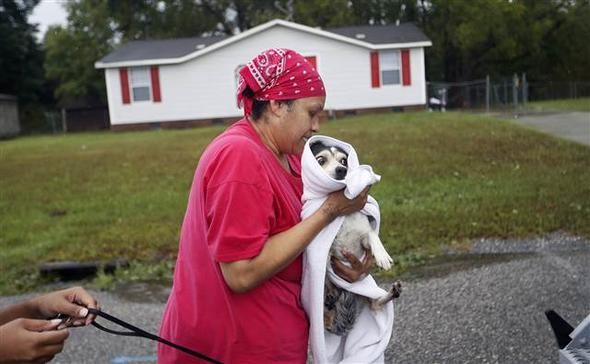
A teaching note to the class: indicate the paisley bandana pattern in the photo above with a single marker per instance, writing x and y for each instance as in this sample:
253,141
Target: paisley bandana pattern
278,74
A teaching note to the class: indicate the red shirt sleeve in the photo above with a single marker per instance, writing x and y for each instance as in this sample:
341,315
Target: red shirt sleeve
239,205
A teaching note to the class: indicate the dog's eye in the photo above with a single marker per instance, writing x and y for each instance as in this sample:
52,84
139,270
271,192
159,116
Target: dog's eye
344,162
321,160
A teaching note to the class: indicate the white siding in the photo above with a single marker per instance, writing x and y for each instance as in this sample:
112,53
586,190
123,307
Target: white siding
204,87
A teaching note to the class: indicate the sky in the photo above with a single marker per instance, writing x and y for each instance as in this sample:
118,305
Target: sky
46,13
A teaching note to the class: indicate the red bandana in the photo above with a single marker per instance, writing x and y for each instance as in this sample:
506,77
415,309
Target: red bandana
278,74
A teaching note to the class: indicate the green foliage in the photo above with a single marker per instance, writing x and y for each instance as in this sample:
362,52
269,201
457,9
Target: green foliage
384,11
471,39
159,19
446,178
152,272
21,61
323,13
72,51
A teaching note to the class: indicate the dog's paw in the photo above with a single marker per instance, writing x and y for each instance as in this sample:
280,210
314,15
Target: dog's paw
396,289
383,259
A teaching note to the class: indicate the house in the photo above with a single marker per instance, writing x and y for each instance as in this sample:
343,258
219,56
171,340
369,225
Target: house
176,82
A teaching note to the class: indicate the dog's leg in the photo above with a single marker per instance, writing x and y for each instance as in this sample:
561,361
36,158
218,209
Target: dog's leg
394,292
331,295
382,258
346,311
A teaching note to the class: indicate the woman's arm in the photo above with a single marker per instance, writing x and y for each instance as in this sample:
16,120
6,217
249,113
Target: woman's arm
281,249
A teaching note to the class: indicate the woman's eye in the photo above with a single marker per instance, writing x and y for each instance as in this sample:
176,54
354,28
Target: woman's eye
321,160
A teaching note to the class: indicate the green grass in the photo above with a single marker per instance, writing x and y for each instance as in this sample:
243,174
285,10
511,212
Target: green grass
446,178
582,104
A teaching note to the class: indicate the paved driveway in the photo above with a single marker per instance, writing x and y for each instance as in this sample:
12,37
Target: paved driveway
484,307
574,126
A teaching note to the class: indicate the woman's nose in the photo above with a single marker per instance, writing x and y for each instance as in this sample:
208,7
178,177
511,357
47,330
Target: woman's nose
315,124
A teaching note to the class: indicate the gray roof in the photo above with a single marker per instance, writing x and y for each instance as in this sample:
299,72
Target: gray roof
158,49
383,34
176,48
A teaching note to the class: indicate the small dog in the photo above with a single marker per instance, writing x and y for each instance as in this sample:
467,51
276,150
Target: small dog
342,307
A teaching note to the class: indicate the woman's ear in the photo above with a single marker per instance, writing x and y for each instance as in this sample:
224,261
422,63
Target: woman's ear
278,108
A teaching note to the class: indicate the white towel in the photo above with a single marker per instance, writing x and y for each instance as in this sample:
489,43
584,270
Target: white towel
367,340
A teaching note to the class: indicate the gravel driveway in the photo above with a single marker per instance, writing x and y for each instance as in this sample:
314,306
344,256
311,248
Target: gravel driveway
483,307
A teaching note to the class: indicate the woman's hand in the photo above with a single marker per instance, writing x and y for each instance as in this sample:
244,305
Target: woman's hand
31,341
338,205
357,270
72,302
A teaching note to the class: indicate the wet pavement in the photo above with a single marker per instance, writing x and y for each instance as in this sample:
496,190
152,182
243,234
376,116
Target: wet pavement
483,306
573,126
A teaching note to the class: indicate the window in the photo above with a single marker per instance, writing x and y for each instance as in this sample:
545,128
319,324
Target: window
140,83
390,67
143,83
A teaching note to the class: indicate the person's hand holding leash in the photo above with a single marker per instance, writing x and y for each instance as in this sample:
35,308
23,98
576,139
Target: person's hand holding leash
72,302
26,334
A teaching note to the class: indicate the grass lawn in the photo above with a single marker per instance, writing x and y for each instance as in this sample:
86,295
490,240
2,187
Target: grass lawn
446,178
582,104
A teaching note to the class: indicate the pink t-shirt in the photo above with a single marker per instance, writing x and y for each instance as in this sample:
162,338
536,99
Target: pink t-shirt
239,198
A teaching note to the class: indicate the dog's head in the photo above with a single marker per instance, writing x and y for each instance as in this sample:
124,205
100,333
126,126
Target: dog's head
333,160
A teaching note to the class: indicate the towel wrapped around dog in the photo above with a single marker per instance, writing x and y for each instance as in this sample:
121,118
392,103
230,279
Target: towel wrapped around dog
367,340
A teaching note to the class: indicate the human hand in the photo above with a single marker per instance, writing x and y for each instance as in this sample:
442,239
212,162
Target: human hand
72,302
357,269
31,341
338,205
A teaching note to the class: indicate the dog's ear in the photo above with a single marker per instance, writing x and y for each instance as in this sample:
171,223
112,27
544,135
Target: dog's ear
317,146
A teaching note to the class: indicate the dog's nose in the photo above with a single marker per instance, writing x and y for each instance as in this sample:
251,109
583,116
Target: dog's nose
340,172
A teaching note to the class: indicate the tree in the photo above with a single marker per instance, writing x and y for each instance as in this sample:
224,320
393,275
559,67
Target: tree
385,11
181,18
72,51
21,60
545,39
563,51
235,16
324,13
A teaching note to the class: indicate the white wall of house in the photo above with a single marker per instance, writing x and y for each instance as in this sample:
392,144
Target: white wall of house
204,87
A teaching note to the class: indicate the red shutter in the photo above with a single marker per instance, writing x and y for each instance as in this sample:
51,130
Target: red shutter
374,69
155,84
406,75
312,61
124,78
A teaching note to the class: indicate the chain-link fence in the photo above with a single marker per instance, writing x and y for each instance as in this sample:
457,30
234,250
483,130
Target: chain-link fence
501,93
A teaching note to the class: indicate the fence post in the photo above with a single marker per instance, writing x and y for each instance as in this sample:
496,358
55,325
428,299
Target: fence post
487,93
525,90
515,91
64,124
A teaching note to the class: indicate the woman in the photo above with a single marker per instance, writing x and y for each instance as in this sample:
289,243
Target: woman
26,334
237,281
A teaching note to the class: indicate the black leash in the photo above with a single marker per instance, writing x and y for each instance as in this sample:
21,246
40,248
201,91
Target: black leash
136,331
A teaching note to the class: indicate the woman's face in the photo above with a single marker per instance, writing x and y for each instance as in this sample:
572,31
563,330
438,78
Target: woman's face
297,123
